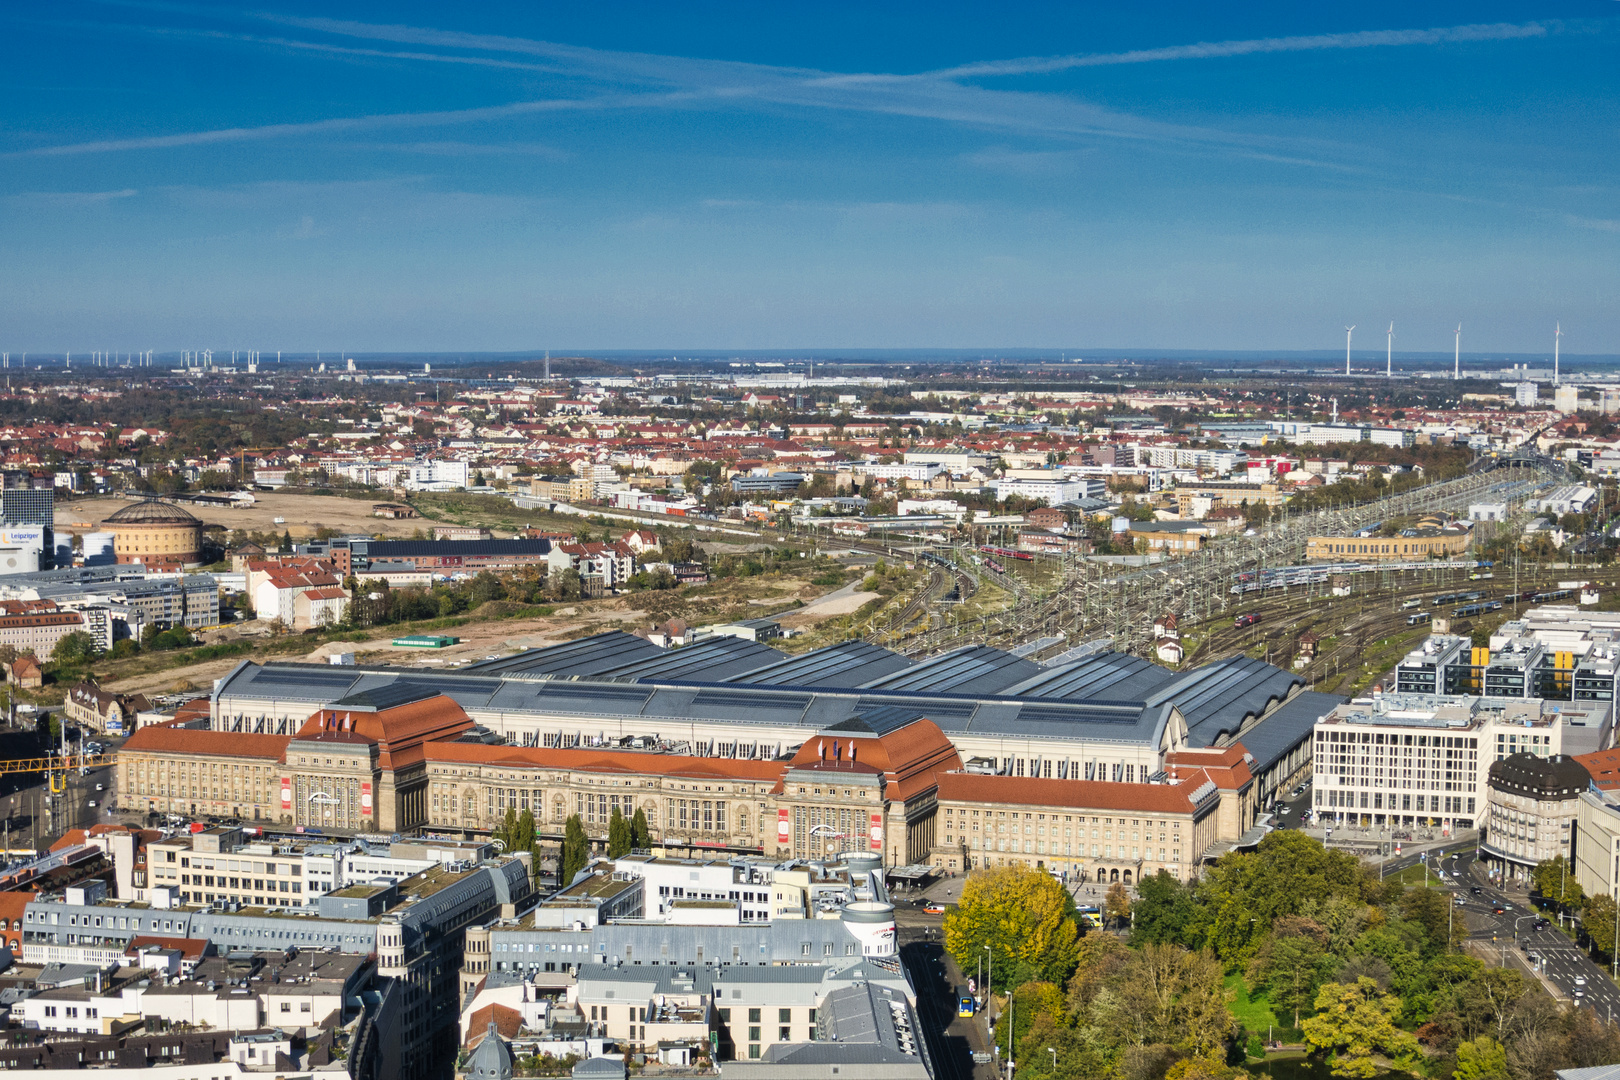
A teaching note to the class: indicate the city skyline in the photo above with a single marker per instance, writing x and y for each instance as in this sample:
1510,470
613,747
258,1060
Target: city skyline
416,179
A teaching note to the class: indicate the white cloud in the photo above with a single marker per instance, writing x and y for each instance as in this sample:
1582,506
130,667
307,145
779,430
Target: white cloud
69,198
1207,50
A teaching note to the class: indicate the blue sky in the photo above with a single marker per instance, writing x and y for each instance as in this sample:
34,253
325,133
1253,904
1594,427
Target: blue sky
732,176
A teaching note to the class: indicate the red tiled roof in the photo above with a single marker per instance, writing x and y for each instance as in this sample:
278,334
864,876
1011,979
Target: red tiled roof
910,758
191,948
330,592
1228,766
508,1022
1604,765
400,732
1072,794
166,738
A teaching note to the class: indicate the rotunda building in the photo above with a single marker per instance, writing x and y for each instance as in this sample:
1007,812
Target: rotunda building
155,534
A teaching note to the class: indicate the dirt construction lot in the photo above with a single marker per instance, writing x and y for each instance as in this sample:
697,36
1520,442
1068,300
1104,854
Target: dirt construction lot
303,513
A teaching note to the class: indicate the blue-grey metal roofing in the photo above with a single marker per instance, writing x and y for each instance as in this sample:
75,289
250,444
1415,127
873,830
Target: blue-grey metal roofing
1272,738
710,660
1218,699
973,669
1113,675
660,702
585,656
843,666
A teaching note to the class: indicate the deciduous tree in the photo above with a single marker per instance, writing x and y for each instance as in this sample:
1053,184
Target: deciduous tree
1291,967
1117,905
1555,880
1355,1021
1481,1059
1022,914
1164,910
1598,922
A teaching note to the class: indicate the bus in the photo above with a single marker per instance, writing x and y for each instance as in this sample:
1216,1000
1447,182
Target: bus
965,1005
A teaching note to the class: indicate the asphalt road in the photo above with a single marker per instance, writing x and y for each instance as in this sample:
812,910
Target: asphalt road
952,1039
1563,964
30,816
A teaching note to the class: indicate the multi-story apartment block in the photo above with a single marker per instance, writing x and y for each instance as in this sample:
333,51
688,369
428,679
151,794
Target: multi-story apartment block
1425,759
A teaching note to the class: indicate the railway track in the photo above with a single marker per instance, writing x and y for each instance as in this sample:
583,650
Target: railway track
1360,621
1095,600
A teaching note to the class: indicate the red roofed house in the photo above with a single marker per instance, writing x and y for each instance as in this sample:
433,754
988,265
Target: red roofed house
274,587
25,672
640,541
324,606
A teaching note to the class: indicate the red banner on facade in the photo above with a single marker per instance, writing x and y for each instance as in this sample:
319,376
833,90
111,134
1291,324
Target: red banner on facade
783,828
877,832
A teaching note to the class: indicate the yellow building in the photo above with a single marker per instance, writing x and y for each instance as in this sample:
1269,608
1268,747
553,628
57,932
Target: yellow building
155,533
1441,544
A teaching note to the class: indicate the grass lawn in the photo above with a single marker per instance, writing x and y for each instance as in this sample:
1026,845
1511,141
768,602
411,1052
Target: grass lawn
1253,1013
1417,876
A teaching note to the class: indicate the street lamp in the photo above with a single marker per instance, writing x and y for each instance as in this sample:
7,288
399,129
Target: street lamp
989,977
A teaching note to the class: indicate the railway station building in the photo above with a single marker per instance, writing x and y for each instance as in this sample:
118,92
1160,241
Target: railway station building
730,746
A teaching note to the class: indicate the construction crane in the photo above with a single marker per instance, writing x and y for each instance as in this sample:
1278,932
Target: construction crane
57,766
241,457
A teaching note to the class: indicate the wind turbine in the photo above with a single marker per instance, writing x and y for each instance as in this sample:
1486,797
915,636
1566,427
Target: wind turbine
1347,331
1456,359
1558,332
1389,353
